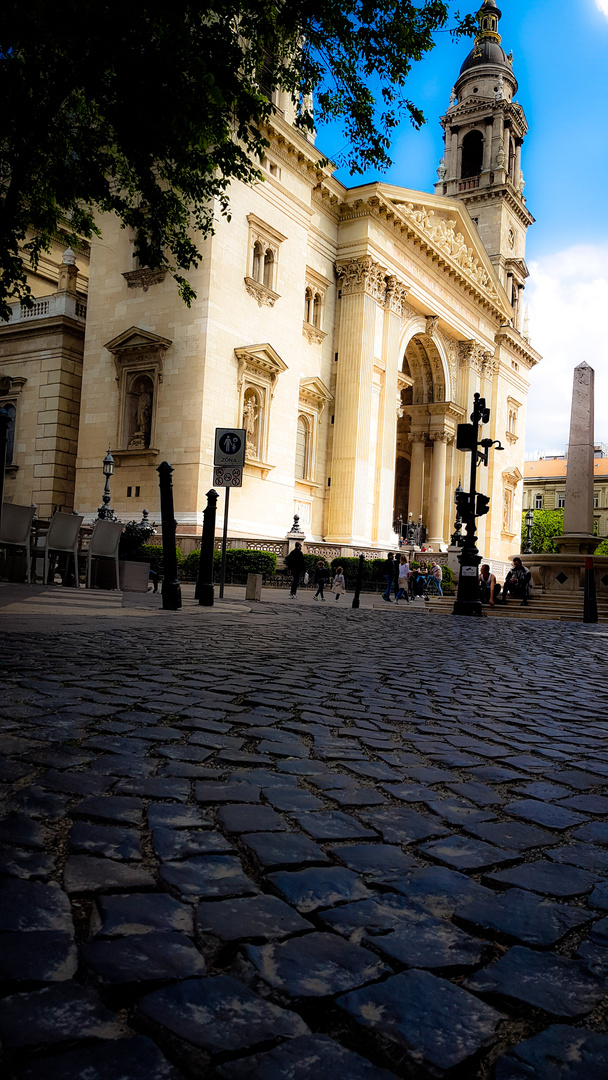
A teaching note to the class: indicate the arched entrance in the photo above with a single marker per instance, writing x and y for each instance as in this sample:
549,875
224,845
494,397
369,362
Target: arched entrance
422,436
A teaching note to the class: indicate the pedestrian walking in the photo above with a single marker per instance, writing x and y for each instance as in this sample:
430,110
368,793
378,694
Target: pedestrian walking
389,572
436,574
296,564
338,585
321,576
403,579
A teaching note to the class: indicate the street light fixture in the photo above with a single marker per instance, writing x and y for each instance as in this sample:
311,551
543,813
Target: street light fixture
105,512
529,520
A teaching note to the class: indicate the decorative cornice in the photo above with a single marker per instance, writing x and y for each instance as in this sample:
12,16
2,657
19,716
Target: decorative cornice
144,278
264,296
512,339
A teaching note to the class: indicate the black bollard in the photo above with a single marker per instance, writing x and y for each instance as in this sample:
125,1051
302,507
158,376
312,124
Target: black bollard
589,599
5,419
171,589
204,584
359,581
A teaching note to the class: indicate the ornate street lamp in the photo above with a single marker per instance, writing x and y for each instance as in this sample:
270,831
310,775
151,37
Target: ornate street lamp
529,520
456,538
105,512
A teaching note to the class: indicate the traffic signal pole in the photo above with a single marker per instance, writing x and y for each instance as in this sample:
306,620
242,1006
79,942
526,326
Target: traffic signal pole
470,505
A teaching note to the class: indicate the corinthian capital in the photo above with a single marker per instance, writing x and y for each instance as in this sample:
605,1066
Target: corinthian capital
362,275
441,436
417,436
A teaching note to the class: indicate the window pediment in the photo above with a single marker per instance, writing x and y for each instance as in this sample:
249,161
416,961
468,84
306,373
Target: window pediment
315,392
260,358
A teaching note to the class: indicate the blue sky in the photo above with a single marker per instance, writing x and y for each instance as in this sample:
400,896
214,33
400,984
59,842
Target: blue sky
559,59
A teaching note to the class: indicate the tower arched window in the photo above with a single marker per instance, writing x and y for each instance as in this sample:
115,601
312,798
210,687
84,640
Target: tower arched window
472,154
268,269
302,448
258,262
308,306
316,311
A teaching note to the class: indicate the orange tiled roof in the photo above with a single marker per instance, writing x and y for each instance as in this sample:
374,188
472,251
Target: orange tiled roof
555,469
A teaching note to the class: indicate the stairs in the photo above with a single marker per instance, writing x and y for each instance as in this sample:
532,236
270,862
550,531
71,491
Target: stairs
556,606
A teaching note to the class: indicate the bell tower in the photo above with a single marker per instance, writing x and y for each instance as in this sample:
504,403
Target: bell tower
484,132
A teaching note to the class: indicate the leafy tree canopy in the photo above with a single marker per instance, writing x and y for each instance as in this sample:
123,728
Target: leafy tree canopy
547,525
150,110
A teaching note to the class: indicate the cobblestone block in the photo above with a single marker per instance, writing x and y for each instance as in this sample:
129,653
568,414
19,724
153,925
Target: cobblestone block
143,958
273,850
309,1057
289,799
546,877
177,816
90,874
207,875
319,887
125,810
548,814
137,1058
19,829
64,1012
254,917
219,1015
140,913
511,834
560,986
524,916
109,840
29,905
403,826
43,956
212,792
463,854
316,965
557,1053
332,825
25,864
183,843
439,1024
583,855
244,819
382,863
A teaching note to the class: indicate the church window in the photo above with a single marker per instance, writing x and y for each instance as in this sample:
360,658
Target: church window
596,502
262,261
308,306
316,310
472,154
11,409
302,448
316,287
538,502
561,502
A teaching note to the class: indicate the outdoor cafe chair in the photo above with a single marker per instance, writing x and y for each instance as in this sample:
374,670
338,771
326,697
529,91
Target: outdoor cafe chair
16,530
104,544
63,536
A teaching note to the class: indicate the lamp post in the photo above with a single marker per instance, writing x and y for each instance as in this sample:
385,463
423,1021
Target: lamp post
456,537
529,520
105,512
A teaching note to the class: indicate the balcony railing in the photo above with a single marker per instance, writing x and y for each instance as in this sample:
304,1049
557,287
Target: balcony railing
469,184
47,306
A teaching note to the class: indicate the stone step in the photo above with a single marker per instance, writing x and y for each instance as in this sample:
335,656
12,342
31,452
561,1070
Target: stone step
539,607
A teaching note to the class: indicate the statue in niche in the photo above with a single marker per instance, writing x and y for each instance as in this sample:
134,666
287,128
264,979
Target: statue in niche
142,392
441,169
251,415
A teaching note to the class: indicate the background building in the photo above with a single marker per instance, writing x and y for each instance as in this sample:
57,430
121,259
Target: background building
346,329
545,485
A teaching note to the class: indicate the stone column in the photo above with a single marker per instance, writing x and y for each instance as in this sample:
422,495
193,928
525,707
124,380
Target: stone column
498,129
578,511
487,148
437,499
360,279
418,441
453,168
386,444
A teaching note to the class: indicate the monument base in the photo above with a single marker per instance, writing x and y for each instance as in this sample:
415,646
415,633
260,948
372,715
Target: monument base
576,543
564,573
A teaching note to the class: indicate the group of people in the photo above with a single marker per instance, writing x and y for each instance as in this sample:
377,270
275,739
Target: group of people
517,582
407,582
296,564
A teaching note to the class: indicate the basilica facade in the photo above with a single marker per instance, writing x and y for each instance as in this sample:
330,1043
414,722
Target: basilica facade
346,329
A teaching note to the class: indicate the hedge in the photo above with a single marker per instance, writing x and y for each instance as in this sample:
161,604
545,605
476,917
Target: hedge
350,567
239,563
155,551
312,563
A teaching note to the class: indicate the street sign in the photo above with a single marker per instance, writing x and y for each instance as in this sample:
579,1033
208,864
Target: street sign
230,448
227,478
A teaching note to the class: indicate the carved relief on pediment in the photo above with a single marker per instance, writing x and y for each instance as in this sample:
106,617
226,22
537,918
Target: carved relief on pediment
442,233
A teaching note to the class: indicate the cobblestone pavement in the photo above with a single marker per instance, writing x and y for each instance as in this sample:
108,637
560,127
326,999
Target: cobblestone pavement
304,843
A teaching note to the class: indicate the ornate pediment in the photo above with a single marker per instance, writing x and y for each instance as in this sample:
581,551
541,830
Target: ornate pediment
136,339
315,391
263,357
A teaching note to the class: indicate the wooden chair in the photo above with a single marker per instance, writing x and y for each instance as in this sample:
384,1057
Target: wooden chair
63,536
16,530
104,544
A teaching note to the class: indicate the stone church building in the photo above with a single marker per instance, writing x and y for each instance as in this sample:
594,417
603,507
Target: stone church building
346,329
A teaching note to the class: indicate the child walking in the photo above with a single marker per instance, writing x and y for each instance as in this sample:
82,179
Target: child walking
321,576
338,585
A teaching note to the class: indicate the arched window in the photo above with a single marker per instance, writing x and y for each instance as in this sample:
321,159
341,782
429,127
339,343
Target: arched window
268,269
472,154
10,432
316,311
257,271
302,448
308,306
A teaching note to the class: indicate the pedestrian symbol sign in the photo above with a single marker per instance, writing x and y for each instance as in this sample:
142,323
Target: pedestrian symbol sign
230,447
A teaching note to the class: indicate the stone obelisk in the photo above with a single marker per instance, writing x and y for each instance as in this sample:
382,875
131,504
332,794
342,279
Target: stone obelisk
578,512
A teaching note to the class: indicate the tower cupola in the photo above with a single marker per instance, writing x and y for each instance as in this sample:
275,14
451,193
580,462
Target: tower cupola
484,129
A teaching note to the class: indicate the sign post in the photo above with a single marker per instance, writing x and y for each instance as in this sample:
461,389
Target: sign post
228,461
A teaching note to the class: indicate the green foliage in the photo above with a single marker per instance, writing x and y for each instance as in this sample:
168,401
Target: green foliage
134,538
150,111
377,569
602,548
312,563
188,567
547,524
155,551
448,577
350,567
242,561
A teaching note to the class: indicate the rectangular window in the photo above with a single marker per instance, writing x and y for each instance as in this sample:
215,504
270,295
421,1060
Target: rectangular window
596,502
538,502
129,492
137,493
561,502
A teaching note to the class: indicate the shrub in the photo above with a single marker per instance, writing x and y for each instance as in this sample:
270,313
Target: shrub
312,562
155,551
134,537
350,566
448,576
188,567
602,548
243,561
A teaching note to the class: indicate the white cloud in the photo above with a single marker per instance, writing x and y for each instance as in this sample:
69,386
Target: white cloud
603,6
568,298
